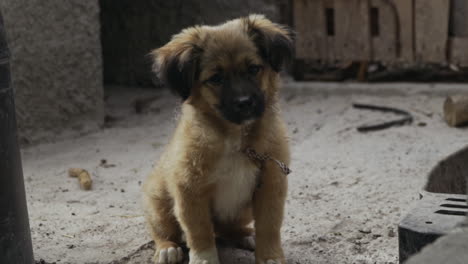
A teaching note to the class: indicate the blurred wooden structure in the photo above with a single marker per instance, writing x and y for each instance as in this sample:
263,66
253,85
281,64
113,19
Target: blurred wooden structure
413,31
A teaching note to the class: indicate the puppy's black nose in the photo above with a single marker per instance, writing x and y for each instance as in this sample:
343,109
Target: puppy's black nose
244,103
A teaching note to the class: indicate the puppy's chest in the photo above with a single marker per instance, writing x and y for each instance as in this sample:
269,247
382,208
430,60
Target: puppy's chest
236,178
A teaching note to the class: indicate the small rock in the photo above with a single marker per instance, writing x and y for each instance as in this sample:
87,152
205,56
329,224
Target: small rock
391,232
106,165
322,239
359,236
365,231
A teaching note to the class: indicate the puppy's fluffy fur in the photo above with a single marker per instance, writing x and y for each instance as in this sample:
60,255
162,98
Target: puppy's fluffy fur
204,184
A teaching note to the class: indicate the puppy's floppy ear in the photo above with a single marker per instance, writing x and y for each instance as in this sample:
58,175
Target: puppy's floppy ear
177,63
274,42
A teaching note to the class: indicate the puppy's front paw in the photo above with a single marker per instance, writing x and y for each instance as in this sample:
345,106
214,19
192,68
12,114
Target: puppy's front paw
209,256
169,255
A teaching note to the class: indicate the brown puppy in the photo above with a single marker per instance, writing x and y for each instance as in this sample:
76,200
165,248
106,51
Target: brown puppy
205,184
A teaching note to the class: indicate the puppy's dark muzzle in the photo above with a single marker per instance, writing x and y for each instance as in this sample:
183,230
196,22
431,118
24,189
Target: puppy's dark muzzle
241,100
243,108
244,105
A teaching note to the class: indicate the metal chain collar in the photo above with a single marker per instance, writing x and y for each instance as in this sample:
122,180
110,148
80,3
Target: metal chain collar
252,154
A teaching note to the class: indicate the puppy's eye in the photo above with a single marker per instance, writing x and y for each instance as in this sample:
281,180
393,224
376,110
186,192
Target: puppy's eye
254,69
216,79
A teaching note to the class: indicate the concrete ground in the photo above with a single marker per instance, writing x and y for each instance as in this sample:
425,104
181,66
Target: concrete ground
347,192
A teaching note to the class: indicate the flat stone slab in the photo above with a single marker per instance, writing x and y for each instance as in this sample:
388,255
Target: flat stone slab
435,215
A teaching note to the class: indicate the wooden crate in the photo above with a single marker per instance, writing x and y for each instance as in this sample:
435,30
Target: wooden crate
377,30
330,30
431,30
458,35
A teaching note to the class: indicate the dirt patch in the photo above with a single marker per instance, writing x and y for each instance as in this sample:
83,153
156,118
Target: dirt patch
347,192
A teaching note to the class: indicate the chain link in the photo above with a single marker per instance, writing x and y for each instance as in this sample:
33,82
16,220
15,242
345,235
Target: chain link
252,154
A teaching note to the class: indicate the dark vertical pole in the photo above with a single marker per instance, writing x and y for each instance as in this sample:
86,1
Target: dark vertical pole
15,237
